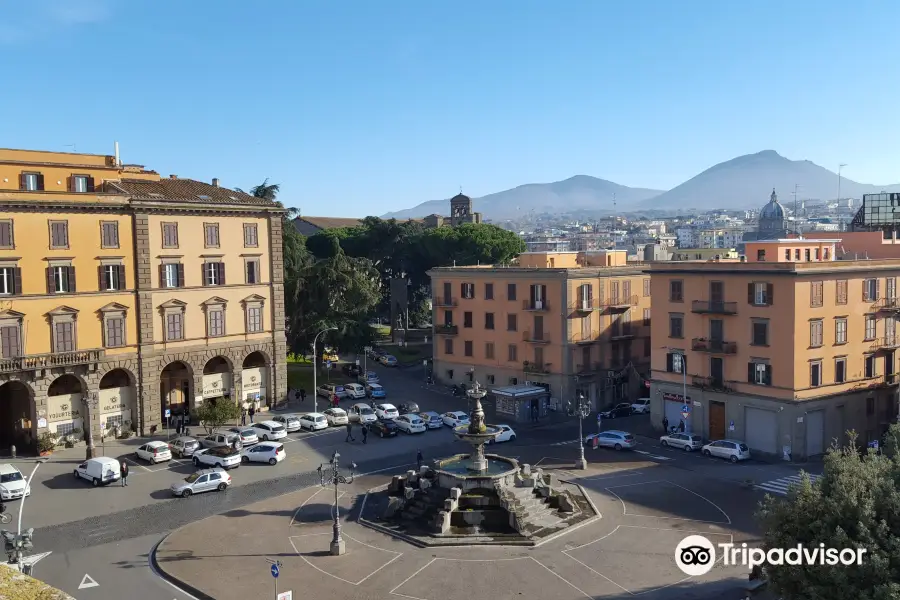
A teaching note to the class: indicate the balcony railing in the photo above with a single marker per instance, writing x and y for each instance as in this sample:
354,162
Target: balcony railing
538,337
533,367
714,307
707,383
618,302
886,343
888,305
446,330
536,305
624,334
444,302
588,369
45,361
584,306
580,338
713,346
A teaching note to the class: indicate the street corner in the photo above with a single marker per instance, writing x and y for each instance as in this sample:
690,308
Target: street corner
363,558
662,502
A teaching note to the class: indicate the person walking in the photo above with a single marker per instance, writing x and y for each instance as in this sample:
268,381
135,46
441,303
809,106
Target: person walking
243,416
665,425
252,411
349,433
419,459
334,401
365,432
302,395
123,471
681,426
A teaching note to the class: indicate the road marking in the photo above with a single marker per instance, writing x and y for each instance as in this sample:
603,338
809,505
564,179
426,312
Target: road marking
137,464
575,441
654,456
87,582
781,485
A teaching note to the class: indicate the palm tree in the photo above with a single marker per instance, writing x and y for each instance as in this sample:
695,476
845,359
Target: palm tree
263,190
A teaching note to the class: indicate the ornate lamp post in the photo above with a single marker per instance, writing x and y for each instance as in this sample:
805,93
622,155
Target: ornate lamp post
329,475
580,408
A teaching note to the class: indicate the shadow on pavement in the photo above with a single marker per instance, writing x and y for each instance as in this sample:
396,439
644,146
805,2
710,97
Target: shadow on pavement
65,481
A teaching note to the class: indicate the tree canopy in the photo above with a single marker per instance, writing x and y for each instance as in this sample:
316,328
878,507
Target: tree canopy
855,504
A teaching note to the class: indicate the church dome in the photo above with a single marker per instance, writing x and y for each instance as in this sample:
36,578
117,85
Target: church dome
773,211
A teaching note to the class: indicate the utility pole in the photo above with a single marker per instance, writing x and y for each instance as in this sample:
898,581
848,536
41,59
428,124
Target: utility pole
796,214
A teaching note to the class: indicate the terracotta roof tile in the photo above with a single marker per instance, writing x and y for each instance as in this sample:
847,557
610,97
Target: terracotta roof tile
330,222
183,190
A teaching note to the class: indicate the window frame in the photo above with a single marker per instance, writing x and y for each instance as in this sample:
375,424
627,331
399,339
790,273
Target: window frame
673,297
251,240
174,227
840,333
68,320
817,365
115,230
211,227
65,224
12,234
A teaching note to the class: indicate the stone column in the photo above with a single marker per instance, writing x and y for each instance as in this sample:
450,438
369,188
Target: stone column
278,375
147,377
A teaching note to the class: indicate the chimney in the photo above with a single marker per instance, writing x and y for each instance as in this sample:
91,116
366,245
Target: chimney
173,176
215,182
118,162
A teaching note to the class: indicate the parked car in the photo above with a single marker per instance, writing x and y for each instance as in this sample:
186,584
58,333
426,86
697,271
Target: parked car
641,406
355,391
410,424
329,390
431,419
99,471
383,428
266,452
336,416
620,440
388,360
247,434
351,369
222,457
205,480
733,450
270,430
361,413
184,447
685,441
622,409
13,485
455,418
217,440
407,408
313,421
386,411
506,435
291,423
154,452
375,352
369,377
374,390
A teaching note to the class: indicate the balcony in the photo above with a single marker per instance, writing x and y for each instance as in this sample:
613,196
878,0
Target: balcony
713,307
538,337
588,369
584,306
891,342
533,367
708,383
444,302
713,346
580,338
536,305
618,336
46,361
446,330
888,305
618,303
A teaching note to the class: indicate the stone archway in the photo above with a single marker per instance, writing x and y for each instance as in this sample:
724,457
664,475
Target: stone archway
17,417
255,377
175,386
65,410
117,400
217,378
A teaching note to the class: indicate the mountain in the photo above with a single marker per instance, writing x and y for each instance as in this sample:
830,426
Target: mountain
581,192
747,182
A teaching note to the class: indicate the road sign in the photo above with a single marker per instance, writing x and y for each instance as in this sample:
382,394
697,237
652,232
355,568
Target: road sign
274,570
327,364
685,409
288,595
731,426
685,414
168,413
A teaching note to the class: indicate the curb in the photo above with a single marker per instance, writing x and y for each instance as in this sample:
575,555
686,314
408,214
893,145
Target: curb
181,586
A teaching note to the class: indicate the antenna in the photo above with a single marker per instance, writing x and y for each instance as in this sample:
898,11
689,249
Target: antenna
796,221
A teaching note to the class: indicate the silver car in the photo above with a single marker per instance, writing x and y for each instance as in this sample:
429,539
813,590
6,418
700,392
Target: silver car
291,422
684,441
184,447
611,439
205,480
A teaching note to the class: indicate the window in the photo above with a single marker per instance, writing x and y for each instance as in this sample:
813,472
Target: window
815,333
675,362
807,254
890,285
870,327
787,254
676,291
840,370
759,372
112,277
59,235
512,353
761,255
468,290
171,275
448,317
489,350
7,241
174,326
109,234
251,237
81,184
760,293
797,254
214,273
215,322
467,348
614,292
64,336
488,320
170,235
840,330
647,288
512,323
489,291
448,346
626,291
10,281
840,296
31,182
676,326
816,294
646,317
760,333
870,290
254,319
815,373
9,341
871,371
115,332
211,235
467,319
510,291
60,279
251,271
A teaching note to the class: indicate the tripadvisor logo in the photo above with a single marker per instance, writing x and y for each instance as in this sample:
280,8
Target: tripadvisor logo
695,555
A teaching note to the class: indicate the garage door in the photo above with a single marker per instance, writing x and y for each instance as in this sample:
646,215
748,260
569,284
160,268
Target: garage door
815,433
673,412
761,430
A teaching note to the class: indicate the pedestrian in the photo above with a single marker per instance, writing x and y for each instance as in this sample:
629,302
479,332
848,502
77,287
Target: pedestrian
252,412
349,433
334,401
665,425
123,470
419,459
177,425
302,395
681,426
365,432
243,416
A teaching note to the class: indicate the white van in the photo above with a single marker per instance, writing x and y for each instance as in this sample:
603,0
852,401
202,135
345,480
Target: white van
99,471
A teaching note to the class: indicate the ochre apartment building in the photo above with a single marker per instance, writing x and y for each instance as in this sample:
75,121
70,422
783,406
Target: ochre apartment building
566,321
785,349
124,295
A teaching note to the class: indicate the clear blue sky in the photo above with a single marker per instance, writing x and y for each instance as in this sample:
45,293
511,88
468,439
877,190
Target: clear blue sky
361,107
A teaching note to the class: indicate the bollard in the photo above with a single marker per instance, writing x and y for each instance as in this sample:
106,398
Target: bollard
12,450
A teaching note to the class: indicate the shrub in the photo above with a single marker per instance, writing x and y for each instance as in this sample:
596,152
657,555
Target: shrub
46,442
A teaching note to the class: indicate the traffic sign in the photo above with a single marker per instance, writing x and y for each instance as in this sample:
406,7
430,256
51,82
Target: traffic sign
288,595
731,426
168,413
685,409
274,570
685,414
327,364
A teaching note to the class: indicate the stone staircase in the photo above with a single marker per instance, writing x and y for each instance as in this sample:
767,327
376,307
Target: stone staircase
422,508
530,510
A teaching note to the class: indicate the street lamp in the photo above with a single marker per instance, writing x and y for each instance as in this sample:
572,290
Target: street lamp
329,474
316,368
16,544
581,408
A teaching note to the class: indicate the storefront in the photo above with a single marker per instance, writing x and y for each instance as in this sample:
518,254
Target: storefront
116,407
216,385
253,384
520,403
64,414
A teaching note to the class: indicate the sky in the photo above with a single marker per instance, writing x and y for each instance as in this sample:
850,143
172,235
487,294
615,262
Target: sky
358,107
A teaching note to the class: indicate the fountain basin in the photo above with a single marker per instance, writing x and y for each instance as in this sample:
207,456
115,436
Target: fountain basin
456,471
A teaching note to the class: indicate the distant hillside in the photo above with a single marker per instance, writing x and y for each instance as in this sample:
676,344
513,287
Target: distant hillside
747,182
581,192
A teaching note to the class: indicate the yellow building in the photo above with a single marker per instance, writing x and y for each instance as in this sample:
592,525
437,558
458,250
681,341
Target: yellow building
124,295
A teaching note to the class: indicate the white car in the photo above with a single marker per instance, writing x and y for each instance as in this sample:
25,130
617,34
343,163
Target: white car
355,391
506,435
291,422
336,416
683,441
640,406
313,421
13,484
102,470
247,434
222,457
154,452
362,413
410,424
206,480
386,411
455,418
620,440
270,430
267,452
733,450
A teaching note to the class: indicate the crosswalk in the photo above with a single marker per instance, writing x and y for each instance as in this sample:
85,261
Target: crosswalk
780,486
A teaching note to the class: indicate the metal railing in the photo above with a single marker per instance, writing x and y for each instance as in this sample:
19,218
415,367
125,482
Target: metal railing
886,342
618,302
713,346
43,361
446,330
888,304
584,306
533,367
539,337
588,368
707,382
714,307
580,338
536,305
444,301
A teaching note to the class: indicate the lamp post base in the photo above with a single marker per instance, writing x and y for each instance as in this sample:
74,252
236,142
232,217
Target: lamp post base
581,463
338,547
